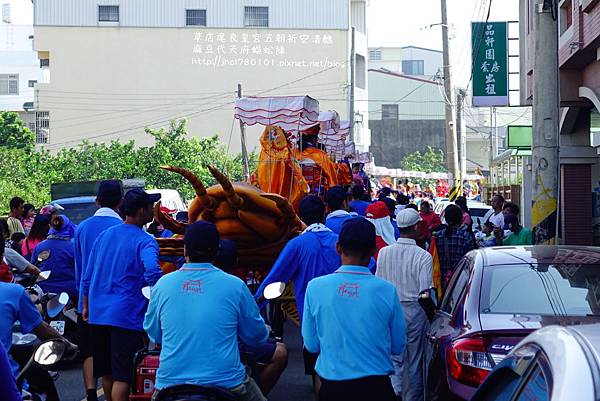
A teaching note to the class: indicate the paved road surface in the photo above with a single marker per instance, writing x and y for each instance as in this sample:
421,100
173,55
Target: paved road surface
293,384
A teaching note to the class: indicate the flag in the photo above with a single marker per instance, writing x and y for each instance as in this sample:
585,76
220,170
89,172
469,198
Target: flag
437,272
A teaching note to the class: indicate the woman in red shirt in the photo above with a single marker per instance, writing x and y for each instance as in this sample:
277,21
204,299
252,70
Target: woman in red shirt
430,221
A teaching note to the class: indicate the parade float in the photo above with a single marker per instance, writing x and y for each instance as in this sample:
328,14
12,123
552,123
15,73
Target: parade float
260,216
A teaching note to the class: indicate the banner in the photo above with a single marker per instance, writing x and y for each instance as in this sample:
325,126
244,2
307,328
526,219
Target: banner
489,44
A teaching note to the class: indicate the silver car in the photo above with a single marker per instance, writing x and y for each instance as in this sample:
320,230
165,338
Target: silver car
555,363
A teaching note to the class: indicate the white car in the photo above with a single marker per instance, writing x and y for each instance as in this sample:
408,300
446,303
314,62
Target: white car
554,363
480,212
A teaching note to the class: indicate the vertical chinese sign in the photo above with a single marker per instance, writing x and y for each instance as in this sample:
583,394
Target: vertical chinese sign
489,41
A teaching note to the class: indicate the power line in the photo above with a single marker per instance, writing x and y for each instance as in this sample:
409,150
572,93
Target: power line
199,112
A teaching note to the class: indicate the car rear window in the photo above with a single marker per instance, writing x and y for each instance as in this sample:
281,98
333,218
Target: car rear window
478,212
555,289
77,212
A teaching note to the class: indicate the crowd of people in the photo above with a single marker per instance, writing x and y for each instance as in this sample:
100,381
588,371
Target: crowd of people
357,270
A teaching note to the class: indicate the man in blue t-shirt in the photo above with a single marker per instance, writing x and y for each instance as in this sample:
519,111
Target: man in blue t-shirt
359,204
355,322
337,203
8,385
124,259
16,305
109,198
197,314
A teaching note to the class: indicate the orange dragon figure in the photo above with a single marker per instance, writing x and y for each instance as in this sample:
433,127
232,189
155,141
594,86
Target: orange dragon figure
277,171
259,223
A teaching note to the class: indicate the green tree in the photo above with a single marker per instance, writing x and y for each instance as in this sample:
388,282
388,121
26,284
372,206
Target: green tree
29,173
431,161
14,133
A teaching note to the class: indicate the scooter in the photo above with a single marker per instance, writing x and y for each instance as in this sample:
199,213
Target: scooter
147,363
45,356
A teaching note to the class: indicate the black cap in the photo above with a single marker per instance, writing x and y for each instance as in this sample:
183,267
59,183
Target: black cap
385,191
137,198
109,191
201,237
336,195
311,206
357,234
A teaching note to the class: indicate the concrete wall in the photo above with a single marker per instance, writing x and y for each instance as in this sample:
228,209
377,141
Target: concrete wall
432,59
394,139
419,98
289,14
110,83
391,59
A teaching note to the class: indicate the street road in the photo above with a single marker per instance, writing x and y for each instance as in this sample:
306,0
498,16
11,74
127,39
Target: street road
293,384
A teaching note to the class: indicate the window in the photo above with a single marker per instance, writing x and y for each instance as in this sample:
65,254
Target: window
566,16
413,67
108,13
375,55
31,83
457,285
389,112
256,16
361,72
42,127
195,17
9,84
31,127
536,387
6,13
557,289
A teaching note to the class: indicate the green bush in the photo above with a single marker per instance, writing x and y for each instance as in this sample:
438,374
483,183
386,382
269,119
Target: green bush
28,173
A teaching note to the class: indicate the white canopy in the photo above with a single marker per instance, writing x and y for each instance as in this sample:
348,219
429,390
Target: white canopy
278,110
329,121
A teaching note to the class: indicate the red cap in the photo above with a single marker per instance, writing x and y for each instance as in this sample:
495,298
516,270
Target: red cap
377,210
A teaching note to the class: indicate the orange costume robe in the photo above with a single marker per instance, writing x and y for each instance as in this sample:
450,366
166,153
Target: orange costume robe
317,168
277,171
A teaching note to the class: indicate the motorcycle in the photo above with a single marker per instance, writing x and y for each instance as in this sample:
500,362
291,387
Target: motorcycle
146,363
51,305
46,355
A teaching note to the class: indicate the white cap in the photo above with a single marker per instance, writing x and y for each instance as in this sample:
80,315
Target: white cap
407,217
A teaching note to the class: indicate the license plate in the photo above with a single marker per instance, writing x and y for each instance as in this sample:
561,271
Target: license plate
58,325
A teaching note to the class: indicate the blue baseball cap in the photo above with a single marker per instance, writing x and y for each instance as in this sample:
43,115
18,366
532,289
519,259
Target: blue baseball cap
358,234
202,237
137,198
109,190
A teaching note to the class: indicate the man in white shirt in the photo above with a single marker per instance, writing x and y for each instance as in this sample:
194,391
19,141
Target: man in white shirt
409,268
497,219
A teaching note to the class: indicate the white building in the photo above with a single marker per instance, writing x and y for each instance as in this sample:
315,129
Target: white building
19,66
118,66
407,60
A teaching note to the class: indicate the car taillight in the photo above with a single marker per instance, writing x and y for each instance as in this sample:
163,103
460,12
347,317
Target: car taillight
468,362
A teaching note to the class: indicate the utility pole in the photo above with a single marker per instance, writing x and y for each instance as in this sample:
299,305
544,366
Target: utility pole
492,154
243,140
546,106
462,132
352,79
451,147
